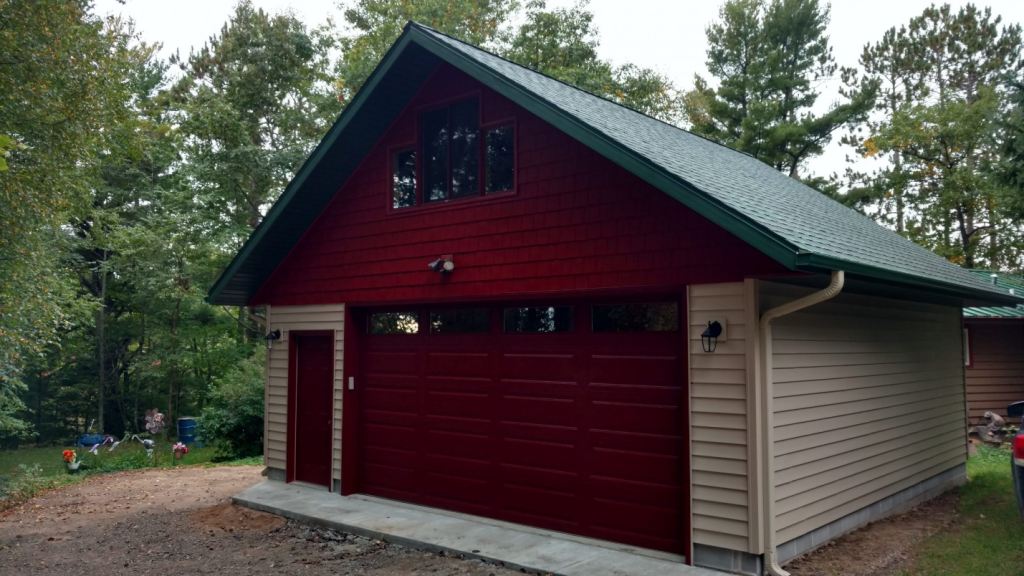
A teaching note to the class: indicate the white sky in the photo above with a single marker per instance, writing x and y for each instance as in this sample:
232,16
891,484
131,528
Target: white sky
667,35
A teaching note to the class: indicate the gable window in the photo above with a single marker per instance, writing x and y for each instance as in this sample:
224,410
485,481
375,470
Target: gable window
454,158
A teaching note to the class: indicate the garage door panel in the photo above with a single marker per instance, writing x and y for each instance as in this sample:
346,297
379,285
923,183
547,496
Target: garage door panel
652,521
554,481
461,489
647,370
394,478
652,468
389,436
390,362
391,400
636,493
396,458
666,444
533,505
458,404
635,395
539,389
549,411
522,431
458,364
537,366
577,431
534,454
461,445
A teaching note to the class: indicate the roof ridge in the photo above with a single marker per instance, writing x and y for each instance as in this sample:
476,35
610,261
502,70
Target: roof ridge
415,24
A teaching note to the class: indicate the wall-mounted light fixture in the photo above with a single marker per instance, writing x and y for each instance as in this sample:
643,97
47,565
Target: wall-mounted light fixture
443,265
272,337
709,338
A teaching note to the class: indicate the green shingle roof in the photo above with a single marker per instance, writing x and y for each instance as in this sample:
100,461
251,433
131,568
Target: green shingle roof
788,221
1004,281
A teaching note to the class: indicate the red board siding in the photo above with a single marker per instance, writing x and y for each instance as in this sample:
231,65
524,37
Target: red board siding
576,222
579,432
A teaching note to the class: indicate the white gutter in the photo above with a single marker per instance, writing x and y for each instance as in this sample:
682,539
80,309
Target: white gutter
771,561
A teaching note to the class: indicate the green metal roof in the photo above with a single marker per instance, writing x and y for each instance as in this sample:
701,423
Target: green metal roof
1002,280
788,221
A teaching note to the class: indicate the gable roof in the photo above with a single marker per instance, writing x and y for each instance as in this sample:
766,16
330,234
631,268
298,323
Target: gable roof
1006,282
786,220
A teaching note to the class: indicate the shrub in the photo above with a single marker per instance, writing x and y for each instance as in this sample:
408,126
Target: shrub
233,416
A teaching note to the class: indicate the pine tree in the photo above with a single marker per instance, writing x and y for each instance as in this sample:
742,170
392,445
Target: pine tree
769,59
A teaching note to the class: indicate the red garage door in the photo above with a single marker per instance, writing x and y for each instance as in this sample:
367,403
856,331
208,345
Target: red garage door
571,418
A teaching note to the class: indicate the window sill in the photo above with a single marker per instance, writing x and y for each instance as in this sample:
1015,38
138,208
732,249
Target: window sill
499,197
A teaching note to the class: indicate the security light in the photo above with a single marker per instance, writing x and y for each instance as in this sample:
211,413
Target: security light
443,265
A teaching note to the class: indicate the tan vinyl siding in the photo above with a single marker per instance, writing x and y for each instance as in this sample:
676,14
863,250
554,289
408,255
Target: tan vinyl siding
286,319
718,411
869,400
996,378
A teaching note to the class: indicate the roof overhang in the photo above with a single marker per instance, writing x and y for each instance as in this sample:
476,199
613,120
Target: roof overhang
393,83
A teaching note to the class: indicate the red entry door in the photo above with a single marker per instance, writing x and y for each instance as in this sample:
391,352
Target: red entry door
314,407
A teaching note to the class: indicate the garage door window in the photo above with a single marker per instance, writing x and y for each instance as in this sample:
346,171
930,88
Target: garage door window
646,317
460,321
538,319
394,323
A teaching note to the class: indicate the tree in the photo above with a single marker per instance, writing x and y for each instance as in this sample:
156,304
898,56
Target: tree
894,64
58,88
374,25
563,43
254,102
943,132
768,59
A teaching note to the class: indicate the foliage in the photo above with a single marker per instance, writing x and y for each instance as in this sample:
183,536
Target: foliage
234,415
989,539
559,42
58,89
769,59
374,25
935,141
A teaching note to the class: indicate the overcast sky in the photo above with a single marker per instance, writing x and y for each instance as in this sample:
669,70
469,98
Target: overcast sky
667,35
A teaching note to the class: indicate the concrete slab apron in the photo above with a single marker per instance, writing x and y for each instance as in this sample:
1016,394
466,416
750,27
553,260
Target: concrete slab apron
425,530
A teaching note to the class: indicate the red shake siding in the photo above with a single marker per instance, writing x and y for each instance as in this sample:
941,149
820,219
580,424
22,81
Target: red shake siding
576,222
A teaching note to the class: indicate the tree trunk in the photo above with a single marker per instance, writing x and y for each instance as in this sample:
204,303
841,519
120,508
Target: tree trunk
101,343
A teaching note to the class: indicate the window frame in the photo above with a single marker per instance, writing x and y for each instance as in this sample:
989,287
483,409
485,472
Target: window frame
415,145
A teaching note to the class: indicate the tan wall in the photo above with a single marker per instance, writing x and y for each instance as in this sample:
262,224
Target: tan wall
869,400
719,424
286,319
996,377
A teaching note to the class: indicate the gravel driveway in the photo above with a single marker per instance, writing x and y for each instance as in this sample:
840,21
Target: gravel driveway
182,522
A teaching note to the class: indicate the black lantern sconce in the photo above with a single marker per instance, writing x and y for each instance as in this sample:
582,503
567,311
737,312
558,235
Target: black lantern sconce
709,338
272,337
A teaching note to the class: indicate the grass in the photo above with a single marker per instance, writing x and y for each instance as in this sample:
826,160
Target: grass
989,539
26,472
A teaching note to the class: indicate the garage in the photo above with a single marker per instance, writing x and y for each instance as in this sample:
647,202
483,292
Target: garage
568,416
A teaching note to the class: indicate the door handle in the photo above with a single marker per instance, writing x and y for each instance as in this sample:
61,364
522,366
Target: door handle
351,383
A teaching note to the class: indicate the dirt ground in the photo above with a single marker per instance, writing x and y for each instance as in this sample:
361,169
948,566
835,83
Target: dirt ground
182,522
882,548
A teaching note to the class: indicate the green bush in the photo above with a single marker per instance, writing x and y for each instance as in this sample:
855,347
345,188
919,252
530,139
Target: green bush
233,416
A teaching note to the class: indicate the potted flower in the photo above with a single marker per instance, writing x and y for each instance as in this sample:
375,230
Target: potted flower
179,450
72,459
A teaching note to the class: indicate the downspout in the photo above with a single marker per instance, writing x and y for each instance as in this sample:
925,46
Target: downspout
771,560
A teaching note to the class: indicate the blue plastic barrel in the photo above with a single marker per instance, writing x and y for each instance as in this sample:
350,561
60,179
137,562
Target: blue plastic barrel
187,430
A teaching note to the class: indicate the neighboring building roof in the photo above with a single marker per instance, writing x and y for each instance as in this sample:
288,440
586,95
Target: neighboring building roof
1002,280
788,221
